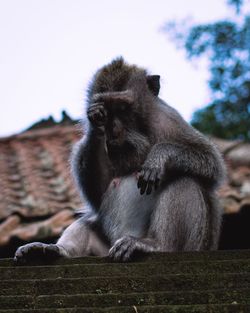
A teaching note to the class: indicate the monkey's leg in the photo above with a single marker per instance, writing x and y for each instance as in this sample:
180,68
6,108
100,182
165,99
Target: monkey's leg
182,220
215,220
79,239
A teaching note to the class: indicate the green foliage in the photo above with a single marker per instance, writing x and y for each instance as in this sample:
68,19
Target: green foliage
226,45
236,3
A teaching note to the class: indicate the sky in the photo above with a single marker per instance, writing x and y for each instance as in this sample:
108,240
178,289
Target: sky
50,49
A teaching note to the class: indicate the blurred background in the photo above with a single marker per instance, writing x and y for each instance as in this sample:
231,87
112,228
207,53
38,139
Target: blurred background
50,49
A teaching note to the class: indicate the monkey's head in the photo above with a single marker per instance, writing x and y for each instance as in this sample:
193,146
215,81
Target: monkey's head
120,76
128,94
121,120
127,138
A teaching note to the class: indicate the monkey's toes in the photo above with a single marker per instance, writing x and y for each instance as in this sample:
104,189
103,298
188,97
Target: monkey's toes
36,251
123,249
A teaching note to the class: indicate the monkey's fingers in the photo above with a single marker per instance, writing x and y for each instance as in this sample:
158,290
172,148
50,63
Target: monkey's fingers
97,114
156,178
98,107
146,179
128,254
140,179
157,183
143,187
151,181
96,118
145,182
130,249
118,252
23,251
123,249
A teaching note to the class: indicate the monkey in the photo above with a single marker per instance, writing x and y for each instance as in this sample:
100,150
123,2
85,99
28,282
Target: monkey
147,178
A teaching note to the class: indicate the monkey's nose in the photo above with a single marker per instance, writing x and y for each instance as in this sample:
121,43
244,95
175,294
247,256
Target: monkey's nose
113,143
116,134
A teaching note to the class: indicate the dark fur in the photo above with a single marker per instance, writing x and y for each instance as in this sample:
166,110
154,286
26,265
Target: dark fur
131,130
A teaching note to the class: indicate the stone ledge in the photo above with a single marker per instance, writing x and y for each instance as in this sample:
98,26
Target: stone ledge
184,282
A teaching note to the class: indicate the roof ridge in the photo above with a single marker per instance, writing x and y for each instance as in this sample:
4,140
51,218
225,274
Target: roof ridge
51,131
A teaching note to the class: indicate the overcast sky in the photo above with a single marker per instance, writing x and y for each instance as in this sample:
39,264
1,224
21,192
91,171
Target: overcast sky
51,48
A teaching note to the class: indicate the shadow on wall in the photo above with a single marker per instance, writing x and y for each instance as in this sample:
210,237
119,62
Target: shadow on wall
235,233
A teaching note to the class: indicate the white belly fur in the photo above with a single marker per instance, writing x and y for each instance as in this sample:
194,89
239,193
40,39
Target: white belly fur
124,211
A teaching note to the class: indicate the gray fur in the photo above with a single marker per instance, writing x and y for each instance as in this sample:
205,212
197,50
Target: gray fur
147,178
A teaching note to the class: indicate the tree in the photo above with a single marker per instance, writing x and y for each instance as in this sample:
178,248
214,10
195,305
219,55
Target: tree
226,45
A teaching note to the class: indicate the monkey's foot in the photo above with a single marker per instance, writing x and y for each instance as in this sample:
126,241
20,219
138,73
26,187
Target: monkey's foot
124,248
36,251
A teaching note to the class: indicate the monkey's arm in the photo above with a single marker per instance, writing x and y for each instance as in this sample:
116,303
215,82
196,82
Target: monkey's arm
90,163
125,96
197,159
90,166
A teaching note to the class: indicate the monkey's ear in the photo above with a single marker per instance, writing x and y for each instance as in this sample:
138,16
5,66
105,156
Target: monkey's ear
153,82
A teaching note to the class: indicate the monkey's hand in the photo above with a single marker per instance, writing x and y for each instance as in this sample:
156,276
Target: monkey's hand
149,178
37,251
153,169
97,116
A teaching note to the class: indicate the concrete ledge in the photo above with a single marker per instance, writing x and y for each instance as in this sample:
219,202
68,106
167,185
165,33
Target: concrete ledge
186,282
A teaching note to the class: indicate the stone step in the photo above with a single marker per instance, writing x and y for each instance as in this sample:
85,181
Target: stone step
116,284
222,308
240,296
157,257
124,269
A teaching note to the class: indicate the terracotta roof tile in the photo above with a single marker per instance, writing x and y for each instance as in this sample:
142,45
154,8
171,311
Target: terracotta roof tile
35,175
51,227
225,145
240,155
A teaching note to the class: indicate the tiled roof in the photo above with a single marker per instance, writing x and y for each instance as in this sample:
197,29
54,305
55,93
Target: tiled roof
36,188
235,194
187,282
38,196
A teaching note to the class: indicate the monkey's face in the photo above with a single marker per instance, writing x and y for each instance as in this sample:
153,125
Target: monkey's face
119,124
124,124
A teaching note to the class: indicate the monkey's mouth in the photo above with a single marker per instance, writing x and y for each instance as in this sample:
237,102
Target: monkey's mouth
114,143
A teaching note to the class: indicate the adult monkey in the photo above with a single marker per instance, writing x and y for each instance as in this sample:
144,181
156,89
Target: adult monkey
147,178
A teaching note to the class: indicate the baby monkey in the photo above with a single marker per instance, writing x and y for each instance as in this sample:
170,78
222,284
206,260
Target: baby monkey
147,178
